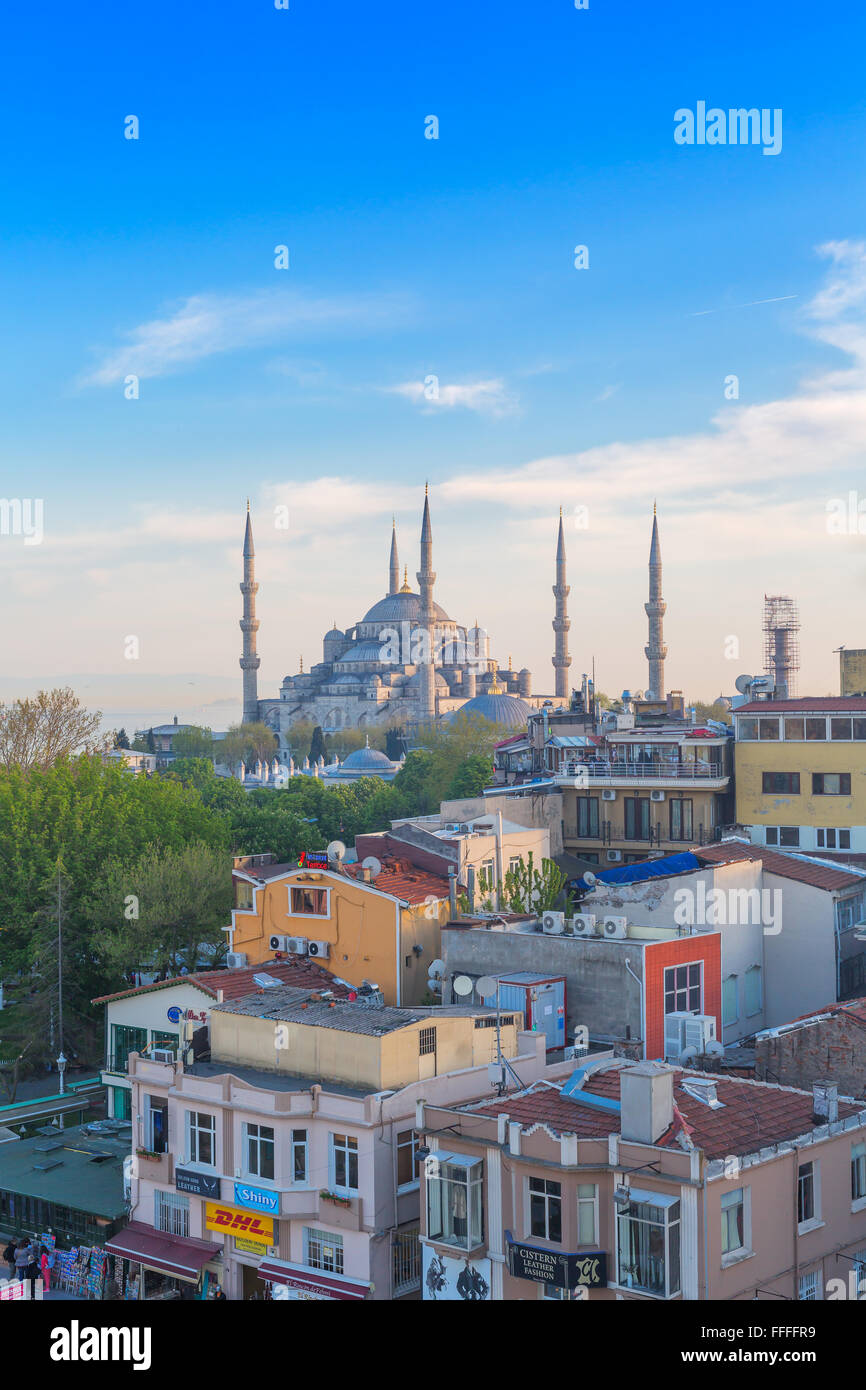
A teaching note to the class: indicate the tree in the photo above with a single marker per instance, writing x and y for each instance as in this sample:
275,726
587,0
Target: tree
38,732
256,829
527,889
471,777
163,911
194,742
120,739
247,743
151,742
318,748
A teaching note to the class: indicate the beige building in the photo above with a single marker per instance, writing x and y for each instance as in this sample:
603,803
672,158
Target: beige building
645,1182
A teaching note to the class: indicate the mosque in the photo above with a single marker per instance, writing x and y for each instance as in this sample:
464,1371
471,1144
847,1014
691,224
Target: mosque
376,672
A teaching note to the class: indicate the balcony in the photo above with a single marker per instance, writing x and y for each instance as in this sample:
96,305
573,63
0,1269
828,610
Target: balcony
153,1167
609,772
607,833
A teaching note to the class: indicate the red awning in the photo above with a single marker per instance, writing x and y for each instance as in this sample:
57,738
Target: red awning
331,1285
179,1256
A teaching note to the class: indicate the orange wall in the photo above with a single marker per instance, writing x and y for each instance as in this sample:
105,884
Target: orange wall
661,955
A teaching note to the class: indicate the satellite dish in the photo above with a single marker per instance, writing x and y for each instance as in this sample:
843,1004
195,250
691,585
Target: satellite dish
486,985
337,850
649,695
714,1048
590,879
742,683
687,1055
462,985
372,863
436,970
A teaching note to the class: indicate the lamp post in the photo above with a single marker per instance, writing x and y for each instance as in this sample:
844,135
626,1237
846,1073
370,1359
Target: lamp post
61,1068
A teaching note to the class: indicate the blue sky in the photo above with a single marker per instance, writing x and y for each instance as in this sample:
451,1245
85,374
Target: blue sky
411,257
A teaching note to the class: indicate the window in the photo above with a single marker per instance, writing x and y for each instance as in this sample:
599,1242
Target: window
485,876
783,835
201,1138
637,818
860,728
730,1010
833,839
816,730
784,783
243,895
858,1172
807,1290
258,1150
156,1124
772,835
299,1155
768,730
587,1213
514,863
831,783
344,1162
426,1042
683,991
407,1160
454,1210
747,730
806,1193
121,1103
733,1221
681,819
840,730
323,1250
160,1039
309,902
648,1245
171,1213
754,999
123,1041
587,816
545,1209
794,732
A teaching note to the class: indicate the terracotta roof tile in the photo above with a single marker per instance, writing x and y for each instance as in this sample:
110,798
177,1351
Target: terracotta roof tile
801,869
405,881
296,970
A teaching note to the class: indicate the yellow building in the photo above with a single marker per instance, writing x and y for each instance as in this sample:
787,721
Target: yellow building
801,772
385,929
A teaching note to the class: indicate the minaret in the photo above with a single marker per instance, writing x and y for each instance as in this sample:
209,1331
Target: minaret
394,579
656,651
250,661
427,618
561,590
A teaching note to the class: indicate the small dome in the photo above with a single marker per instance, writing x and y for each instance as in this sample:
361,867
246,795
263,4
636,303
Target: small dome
508,710
368,759
441,682
345,679
365,651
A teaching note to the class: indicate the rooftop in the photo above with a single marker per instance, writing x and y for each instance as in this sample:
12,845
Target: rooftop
800,868
234,984
752,1114
83,1167
304,1006
398,878
839,704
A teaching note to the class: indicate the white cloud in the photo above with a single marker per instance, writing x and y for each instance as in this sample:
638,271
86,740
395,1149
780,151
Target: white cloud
485,397
206,324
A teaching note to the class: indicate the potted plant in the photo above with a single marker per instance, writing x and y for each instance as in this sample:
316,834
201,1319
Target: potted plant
336,1198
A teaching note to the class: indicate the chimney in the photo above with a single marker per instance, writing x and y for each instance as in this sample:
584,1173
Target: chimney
825,1102
175,719
646,1102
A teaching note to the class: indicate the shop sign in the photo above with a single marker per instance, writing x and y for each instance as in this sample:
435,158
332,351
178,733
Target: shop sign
233,1221
583,1269
176,1013
202,1184
249,1247
257,1198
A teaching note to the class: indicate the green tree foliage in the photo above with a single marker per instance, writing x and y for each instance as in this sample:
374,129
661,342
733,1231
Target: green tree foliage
121,739
161,909
470,777
528,889
53,725
194,742
318,747
150,742
247,743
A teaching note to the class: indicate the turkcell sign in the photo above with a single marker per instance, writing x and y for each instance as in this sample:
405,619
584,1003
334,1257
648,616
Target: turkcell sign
257,1198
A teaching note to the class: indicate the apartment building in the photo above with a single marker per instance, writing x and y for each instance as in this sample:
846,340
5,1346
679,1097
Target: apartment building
379,925
288,1159
644,1182
801,773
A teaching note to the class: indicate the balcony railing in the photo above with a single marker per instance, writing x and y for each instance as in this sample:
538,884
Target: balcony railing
607,833
655,770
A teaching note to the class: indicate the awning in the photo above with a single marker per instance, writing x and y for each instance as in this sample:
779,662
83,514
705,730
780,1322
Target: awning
299,1277
180,1256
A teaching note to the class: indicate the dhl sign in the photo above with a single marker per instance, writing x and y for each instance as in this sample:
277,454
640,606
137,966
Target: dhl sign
233,1221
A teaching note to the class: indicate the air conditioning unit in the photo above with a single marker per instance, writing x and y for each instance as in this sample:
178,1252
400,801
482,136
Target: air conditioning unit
657,796
608,795
453,825
584,924
236,960
614,927
162,1054
675,1034
296,945
278,943
318,948
553,923
698,1030
614,855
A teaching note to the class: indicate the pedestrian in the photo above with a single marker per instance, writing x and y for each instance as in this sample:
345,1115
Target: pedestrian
33,1268
46,1264
219,1296
23,1256
9,1257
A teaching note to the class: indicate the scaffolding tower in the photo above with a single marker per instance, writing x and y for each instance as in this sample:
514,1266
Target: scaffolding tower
781,643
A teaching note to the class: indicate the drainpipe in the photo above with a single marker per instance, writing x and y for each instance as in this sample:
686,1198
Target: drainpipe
452,890
470,888
499,874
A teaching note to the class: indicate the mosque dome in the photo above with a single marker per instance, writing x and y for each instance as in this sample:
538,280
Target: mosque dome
364,651
402,607
499,708
367,760
441,682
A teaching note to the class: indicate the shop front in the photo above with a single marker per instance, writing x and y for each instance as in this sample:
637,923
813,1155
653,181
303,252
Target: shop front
253,1236
162,1267
299,1283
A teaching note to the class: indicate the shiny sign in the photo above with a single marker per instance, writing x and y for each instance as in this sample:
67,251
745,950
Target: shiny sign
257,1198
235,1222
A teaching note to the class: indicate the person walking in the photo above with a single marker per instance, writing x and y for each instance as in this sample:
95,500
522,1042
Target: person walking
46,1263
33,1268
23,1256
9,1257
